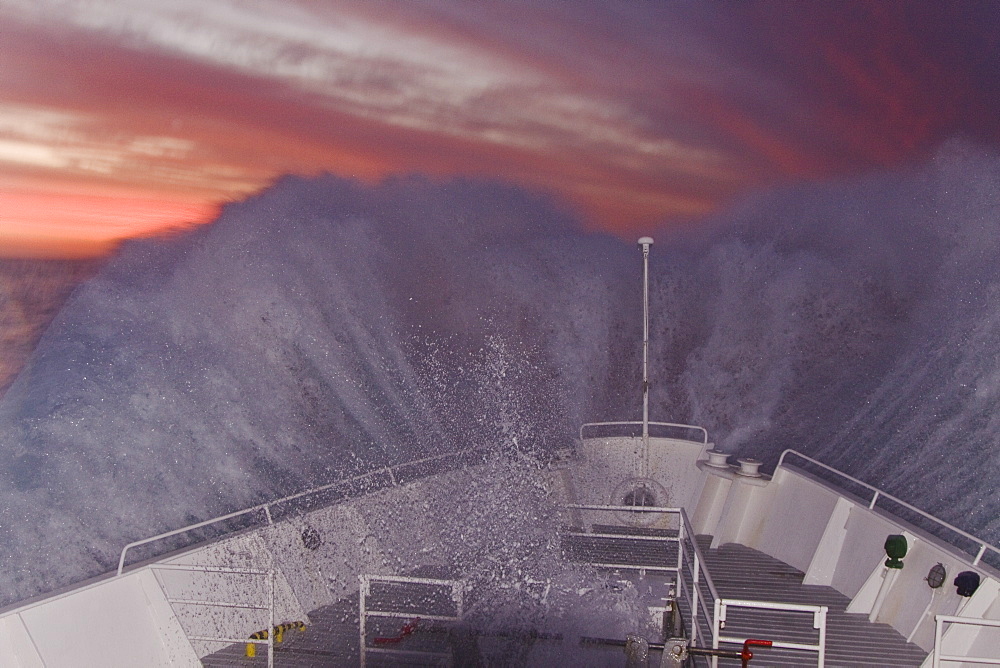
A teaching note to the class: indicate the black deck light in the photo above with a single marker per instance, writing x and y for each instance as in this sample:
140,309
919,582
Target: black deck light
895,549
967,583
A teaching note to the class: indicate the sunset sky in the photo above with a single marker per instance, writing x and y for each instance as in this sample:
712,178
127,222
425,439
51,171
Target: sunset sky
121,118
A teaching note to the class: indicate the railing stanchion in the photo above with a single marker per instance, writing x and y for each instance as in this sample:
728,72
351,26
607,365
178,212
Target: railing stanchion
696,599
680,546
936,652
820,623
270,627
716,614
362,630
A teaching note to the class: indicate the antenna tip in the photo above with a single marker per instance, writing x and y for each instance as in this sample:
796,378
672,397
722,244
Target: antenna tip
646,241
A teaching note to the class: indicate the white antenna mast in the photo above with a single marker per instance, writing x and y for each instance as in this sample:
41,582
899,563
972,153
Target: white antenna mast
645,243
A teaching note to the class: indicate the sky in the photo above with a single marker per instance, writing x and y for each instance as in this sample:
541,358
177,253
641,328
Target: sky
125,118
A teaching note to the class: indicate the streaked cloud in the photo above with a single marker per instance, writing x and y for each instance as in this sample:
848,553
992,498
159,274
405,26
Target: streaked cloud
632,112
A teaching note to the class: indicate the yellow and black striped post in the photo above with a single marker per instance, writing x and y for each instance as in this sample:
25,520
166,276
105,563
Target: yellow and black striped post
279,635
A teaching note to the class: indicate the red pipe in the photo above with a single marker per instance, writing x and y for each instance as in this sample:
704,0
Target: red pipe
746,654
408,629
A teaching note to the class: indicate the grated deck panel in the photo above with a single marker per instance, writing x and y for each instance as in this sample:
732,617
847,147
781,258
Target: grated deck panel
852,641
635,549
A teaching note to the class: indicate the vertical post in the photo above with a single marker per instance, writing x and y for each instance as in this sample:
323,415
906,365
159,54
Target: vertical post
457,589
695,598
362,626
680,547
645,243
874,499
716,627
270,628
938,633
819,621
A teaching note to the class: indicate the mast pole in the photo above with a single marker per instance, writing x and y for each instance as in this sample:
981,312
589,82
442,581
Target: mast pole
645,243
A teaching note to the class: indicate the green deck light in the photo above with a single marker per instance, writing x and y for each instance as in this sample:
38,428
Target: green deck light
895,548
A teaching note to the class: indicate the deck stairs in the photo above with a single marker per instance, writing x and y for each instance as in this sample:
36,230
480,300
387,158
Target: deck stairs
852,641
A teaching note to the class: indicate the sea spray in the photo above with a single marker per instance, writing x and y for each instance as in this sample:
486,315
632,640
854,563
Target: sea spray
324,328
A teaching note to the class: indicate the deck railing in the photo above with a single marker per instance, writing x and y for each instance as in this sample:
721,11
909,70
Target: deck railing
817,611
693,578
689,567
269,574
938,653
878,494
708,612
399,610
682,432
392,475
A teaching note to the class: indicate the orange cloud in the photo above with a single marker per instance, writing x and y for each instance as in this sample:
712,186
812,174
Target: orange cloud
634,115
62,222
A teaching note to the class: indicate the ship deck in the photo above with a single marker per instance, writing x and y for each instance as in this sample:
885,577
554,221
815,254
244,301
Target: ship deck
739,572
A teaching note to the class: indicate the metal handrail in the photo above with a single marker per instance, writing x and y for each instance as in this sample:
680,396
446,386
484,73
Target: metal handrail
685,535
701,558
457,596
819,623
699,573
703,431
939,622
266,507
617,536
695,570
269,640
878,493
715,617
628,509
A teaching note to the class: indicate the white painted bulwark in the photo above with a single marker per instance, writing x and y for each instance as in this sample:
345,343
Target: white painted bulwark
17,650
122,622
969,639
604,464
987,641
711,502
791,520
827,555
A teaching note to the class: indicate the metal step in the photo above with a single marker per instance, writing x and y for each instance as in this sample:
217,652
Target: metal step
852,641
